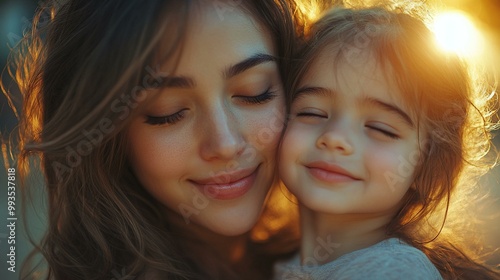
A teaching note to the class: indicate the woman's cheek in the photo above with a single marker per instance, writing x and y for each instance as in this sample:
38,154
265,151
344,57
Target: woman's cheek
265,128
157,154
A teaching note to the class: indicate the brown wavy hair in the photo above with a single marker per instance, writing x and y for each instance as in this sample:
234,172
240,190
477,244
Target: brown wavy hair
80,71
452,103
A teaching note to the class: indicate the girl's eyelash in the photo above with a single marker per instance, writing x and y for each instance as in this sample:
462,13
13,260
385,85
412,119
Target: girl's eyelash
170,119
385,132
306,114
259,99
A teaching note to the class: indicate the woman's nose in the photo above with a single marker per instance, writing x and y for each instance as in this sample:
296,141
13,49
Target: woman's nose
336,137
222,136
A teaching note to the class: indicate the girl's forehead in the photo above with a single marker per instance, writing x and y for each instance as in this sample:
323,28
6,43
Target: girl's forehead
346,71
330,64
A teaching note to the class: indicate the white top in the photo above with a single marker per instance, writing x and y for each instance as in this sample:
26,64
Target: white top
390,259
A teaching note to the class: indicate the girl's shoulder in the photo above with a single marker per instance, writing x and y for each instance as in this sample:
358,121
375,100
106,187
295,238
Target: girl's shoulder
389,259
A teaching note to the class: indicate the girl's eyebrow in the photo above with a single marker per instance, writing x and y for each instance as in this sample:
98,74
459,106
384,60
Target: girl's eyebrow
390,108
309,90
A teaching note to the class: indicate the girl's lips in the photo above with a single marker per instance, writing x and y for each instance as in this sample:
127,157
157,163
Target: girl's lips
228,186
330,173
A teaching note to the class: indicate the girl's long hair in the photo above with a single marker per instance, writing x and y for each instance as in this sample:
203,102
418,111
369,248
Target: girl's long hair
81,71
454,109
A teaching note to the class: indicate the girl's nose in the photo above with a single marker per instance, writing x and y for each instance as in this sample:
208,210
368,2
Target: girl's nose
335,137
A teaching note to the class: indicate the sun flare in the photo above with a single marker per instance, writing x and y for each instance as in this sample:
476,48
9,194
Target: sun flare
455,32
310,10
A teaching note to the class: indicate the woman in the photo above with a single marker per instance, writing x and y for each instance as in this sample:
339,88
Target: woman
157,124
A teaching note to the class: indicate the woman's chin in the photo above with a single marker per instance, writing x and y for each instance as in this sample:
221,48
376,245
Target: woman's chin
232,224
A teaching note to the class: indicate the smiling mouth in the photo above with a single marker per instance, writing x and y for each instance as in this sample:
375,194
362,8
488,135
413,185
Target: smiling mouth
330,173
228,186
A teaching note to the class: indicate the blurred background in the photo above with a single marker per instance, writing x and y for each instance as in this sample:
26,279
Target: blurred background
468,27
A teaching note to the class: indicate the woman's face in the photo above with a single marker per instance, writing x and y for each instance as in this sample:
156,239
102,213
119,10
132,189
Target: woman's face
205,147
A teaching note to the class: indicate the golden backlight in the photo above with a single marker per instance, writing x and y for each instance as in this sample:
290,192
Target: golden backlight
455,32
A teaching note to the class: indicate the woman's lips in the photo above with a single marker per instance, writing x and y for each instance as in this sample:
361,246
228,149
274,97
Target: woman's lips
330,173
229,185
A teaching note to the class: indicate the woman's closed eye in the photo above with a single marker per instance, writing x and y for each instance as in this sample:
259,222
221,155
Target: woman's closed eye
262,98
168,119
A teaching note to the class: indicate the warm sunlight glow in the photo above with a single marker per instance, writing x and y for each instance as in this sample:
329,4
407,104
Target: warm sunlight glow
309,9
455,32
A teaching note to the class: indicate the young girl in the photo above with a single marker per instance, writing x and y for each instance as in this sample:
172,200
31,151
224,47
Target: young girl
384,128
157,125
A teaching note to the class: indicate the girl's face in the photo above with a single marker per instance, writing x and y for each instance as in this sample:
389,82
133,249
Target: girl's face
206,146
351,146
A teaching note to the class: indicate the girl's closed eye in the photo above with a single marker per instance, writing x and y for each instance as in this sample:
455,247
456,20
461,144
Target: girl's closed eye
168,119
309,108
309,114
382,130
262,98
312,115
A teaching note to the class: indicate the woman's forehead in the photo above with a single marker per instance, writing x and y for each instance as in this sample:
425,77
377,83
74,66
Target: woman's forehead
212,42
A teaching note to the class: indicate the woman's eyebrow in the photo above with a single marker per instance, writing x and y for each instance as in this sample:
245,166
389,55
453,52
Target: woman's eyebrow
186,82
248,63
177,82
390,108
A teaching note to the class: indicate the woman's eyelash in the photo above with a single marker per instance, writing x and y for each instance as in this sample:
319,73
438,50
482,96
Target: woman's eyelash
259,99
385,132
170,119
